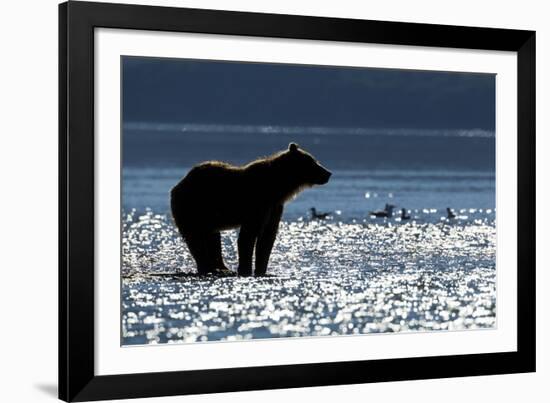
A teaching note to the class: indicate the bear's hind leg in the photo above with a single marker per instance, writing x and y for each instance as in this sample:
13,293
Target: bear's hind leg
198,246
214,249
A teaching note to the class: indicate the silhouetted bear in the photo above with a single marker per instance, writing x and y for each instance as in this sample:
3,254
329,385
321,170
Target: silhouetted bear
216,196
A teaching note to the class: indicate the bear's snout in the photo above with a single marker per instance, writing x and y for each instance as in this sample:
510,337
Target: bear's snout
325,176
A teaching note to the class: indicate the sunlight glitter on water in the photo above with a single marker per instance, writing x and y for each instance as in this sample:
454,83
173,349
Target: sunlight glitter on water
325,278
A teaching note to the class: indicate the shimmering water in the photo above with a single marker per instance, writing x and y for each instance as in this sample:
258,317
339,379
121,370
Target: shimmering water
422,141
349,274
327,277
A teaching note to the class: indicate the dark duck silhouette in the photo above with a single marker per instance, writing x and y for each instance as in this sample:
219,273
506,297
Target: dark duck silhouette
450,213
318,216
387,212
404,215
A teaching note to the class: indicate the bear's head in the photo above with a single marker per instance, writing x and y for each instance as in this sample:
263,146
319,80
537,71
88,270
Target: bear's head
304,167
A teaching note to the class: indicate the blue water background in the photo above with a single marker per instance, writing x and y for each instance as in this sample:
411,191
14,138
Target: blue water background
424,172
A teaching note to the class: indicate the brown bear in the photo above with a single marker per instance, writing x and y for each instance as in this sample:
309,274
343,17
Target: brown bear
216,196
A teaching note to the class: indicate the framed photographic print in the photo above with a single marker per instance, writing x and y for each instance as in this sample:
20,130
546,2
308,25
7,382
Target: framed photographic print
259,201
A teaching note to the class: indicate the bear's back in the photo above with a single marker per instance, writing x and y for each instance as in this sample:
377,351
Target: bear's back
205,176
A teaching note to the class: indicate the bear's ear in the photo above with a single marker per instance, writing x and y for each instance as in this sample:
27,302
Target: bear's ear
293,147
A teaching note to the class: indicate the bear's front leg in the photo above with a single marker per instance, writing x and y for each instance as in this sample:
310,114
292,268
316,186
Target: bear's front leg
245,243
266,239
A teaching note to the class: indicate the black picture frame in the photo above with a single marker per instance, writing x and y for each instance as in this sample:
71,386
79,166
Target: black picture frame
77,21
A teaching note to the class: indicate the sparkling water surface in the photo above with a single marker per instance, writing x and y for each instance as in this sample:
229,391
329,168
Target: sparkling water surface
349,274
326,277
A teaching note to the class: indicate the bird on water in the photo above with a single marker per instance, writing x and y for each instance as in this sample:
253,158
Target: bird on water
450,213
318,216
387,212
